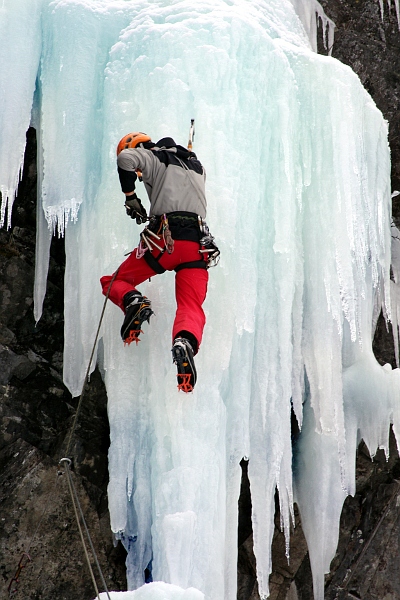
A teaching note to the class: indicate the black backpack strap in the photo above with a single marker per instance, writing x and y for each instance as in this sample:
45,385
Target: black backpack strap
194,264
153,262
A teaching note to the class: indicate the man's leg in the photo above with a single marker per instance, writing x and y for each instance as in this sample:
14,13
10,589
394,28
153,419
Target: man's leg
191,290
131,273
123,293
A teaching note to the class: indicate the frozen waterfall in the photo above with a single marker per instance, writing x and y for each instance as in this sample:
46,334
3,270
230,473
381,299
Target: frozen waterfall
298,187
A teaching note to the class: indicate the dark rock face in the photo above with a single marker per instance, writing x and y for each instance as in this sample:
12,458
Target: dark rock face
371,47
36,411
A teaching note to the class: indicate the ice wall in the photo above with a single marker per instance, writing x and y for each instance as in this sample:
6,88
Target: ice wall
298,177
20,35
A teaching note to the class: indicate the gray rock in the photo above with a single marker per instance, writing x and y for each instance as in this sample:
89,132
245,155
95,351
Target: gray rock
12,364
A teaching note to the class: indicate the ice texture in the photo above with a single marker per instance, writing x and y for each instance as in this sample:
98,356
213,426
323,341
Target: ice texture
156,591
298,187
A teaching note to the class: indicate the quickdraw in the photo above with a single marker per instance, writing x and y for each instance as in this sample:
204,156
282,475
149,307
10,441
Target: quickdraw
148,239
209,250
169,242
147,242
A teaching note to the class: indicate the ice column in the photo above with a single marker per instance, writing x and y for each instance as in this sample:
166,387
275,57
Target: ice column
20,34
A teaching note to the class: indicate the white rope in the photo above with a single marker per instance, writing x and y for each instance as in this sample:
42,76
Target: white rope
88,534
75,501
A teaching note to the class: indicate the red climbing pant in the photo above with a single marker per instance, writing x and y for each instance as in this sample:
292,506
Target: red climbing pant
190,285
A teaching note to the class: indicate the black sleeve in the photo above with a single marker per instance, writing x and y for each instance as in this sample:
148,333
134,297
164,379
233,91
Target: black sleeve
127,180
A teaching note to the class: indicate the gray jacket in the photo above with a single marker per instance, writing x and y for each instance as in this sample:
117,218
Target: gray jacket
173,177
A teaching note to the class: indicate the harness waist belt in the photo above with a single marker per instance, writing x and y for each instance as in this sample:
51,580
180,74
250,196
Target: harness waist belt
194,264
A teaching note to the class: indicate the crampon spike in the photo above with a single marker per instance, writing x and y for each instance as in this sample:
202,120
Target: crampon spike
133,337
185,384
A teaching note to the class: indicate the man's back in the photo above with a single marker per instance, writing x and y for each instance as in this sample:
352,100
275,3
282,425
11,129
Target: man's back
174,178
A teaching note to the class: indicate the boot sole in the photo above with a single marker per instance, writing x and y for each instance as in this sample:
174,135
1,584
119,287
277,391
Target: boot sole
133,329
186,376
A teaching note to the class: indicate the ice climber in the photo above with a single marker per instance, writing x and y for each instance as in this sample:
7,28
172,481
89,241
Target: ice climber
176,238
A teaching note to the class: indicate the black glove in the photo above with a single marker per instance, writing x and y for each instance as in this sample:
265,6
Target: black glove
135,209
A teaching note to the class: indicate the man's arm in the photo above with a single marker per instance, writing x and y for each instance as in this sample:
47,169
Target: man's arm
127,180
129,161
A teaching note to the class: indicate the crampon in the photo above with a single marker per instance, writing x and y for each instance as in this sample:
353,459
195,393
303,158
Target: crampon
182,356
133,337
185,385
137,310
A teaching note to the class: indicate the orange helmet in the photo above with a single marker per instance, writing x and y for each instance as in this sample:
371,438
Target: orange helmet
131,140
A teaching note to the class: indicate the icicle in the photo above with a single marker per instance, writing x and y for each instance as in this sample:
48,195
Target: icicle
397,6
19,20
43,243
310,12
381,8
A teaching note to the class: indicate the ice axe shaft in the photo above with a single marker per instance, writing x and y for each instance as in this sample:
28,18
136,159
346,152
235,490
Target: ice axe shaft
191,135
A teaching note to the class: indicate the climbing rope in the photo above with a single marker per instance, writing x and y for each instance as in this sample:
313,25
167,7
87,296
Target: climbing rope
25,557
67,461
78,409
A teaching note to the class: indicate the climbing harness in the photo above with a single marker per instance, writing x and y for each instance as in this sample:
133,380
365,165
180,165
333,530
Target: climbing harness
150,241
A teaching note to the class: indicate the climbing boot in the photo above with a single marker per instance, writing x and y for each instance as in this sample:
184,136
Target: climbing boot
182,356
137,310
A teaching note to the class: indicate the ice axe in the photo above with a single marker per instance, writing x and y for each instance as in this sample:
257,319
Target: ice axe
191,135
